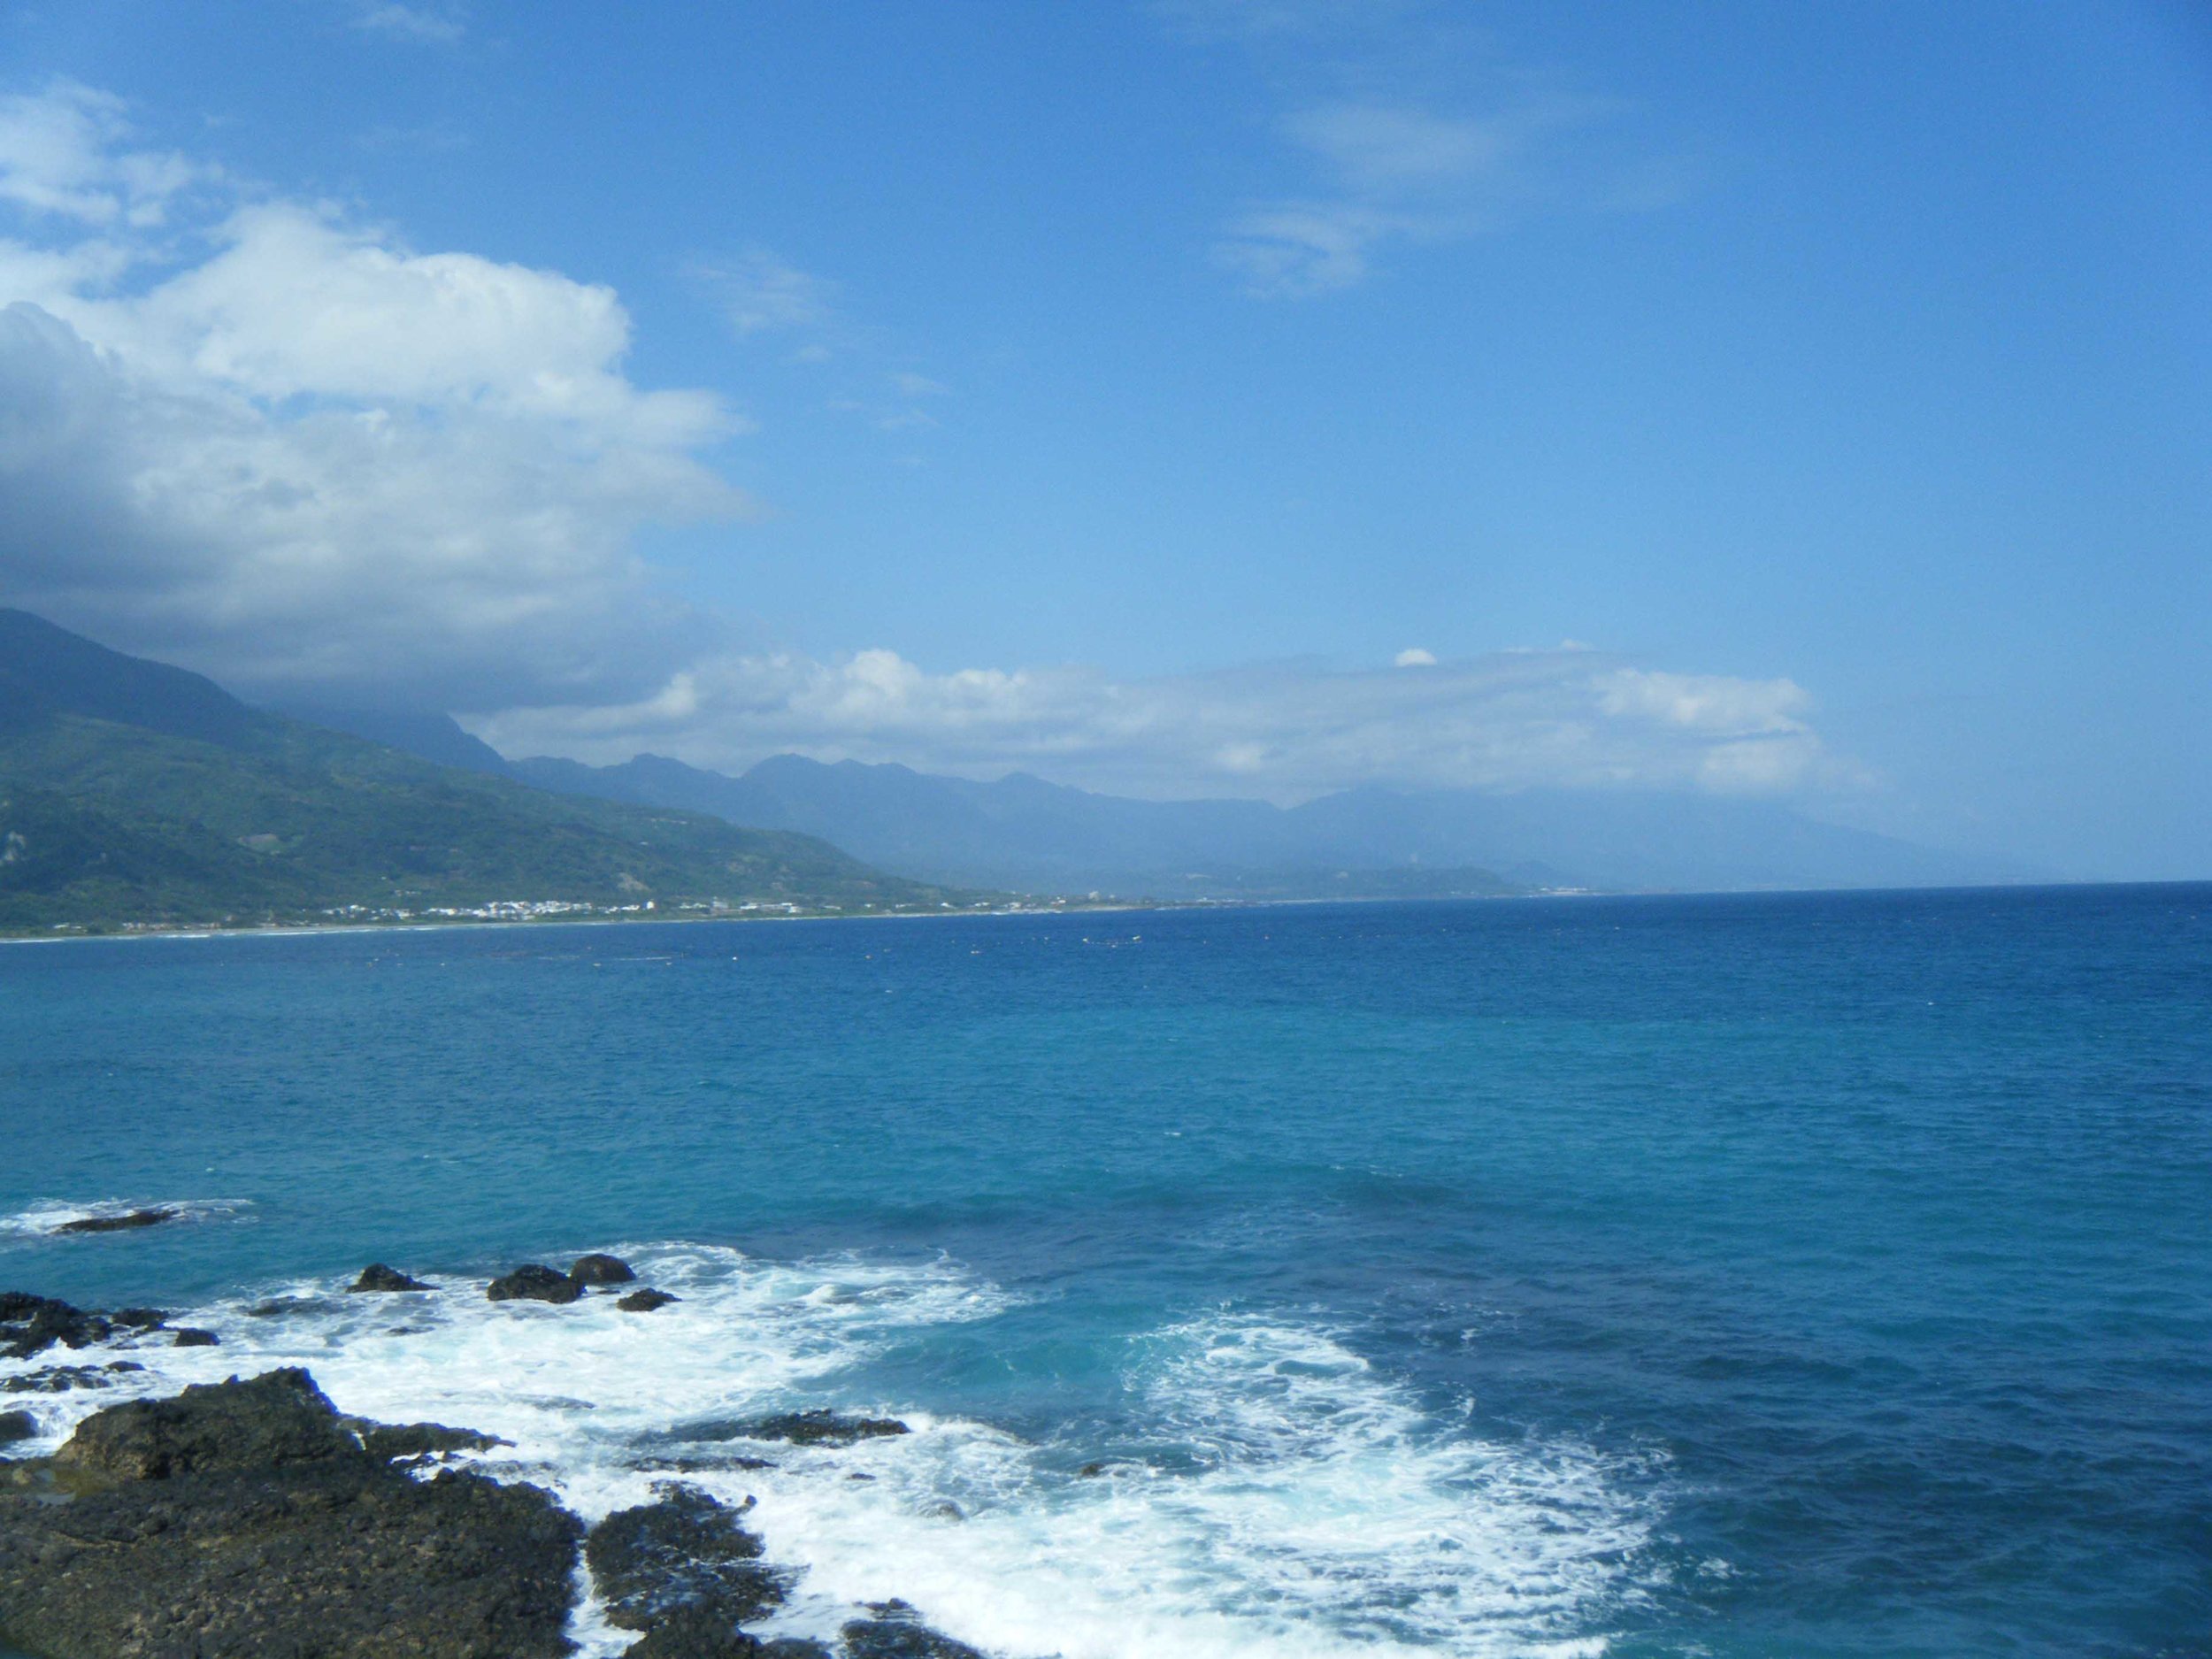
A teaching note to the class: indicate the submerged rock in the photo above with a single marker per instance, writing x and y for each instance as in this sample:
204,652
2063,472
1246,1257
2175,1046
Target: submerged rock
377,1277
821,1428
686,1551
646,1300
285,1307
126,1223
243,1518
55,1380
534,1281
390,1440
601,1270
897,1632
693,1632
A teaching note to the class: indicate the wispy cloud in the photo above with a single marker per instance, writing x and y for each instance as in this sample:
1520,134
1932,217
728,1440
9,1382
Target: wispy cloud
1406,129
1561,718
428,26
758,292
66,154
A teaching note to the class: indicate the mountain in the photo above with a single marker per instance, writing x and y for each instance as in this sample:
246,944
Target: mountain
1023,832
135,792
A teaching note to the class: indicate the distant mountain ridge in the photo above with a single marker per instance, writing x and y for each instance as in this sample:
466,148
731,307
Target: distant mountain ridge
135,792
1023,832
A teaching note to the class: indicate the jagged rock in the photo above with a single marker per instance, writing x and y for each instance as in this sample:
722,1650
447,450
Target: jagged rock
897,1632
685,1550
420,1440
189,1336
30,1324
601,1270
822,1428
377,1277
646,1300
128,1222
534,1282
17,1426
241,1519
54,1380
139,1318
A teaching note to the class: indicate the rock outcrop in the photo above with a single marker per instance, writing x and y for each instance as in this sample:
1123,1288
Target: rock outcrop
534,1281
646,1300
601,1270
377,1277
246,1518
821,1428
897,1632
128,1222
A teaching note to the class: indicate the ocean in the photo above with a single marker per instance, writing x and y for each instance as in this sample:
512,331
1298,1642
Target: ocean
1775,1275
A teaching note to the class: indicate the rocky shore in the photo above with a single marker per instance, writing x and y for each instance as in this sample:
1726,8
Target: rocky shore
250,1517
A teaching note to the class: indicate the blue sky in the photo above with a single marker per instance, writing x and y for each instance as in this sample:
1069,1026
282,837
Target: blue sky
1812,400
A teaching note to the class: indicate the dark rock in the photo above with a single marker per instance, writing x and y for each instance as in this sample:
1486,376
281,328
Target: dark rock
821,1428
693,1465
693,1632
54,1380
17,1426
897,1633
420,1440
128,1222
278,1419
534,1282
601,1270
30,1324
244,1519
646,1300
376,1276
1091,1472
686,1550
139,1318
189,1336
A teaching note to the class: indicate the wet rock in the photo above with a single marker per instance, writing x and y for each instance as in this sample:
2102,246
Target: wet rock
1091,1472
601,1270
686,1550
694,1633
30,1324
139,1318
897,1633
390,1440
54,1380
377,1277
534,1282
128,1222
646,1300
242,1519
17,1426
191,1336
822,1428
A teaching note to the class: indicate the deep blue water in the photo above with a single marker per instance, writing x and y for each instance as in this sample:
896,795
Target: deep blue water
1769,1275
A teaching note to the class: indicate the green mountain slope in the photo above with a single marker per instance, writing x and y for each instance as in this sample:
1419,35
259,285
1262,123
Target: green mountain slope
135,793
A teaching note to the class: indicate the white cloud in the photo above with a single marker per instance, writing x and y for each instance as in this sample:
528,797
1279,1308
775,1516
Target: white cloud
423,24
63,154
1525,719
1414,656
317,456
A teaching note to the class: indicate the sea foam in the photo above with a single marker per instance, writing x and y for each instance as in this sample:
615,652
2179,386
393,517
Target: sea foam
1273,1495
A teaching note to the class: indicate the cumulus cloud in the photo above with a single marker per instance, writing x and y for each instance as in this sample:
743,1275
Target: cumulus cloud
314,457
1514,720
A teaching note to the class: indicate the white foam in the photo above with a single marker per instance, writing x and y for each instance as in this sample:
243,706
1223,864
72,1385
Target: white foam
1287,1500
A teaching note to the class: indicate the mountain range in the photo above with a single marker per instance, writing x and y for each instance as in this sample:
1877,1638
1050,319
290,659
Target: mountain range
132,792
1021,833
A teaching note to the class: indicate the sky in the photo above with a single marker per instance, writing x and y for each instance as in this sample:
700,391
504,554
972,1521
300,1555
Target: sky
1206,397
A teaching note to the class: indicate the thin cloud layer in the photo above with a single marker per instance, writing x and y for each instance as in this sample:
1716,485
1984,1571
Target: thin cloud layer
1566,718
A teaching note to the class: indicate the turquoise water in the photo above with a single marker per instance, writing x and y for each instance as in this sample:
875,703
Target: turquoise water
1777,1275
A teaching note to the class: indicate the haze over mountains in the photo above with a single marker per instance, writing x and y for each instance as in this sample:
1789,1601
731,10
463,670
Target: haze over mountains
1025,833
132,792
